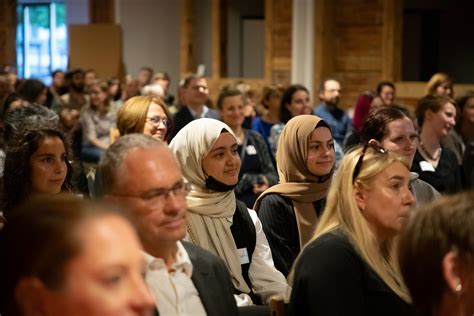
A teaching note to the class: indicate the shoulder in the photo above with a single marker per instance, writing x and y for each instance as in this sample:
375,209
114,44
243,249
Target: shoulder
319,108
183,112
213,114
332,249
423,191
275,209
254,136
277,127
448,154
256,121
274,199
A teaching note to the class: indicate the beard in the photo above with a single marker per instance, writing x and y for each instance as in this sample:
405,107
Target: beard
333,101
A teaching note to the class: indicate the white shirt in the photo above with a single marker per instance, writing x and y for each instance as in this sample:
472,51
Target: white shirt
198,115
174,292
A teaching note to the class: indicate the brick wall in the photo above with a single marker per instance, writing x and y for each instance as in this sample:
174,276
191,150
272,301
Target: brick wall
357,48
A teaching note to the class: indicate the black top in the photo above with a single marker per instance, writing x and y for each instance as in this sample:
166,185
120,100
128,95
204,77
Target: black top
332,279
245,237
468,166
256,162
447,175
212,281
279,224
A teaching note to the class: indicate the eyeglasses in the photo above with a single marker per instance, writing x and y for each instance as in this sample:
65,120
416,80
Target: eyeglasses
156,120
358,166
160,195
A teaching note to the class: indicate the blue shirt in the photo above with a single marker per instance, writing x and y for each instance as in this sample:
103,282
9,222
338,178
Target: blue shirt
339,121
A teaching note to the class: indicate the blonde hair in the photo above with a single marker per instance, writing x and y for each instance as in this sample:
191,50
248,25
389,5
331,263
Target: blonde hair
132,115
342,212
436,80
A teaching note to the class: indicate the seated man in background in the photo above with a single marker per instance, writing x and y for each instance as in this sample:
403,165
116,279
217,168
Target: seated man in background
184,279
195,94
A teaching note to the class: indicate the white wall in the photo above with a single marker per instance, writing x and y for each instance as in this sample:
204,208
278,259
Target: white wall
150,36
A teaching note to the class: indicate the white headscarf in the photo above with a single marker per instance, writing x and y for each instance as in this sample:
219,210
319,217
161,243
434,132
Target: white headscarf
208,210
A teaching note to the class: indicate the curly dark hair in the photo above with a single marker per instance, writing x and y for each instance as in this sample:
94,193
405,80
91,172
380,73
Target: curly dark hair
17,170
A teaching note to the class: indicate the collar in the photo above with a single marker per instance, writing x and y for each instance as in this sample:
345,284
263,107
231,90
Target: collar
182,263
197,115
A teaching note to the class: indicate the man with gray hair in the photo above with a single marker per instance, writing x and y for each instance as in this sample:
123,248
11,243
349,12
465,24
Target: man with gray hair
142,174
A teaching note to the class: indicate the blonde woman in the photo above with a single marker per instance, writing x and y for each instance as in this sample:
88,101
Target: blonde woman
349,266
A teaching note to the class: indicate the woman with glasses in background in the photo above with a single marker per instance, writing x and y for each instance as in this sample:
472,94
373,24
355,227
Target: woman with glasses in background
146,115
349,267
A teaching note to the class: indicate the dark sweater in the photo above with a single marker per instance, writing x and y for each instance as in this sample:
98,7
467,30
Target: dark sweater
447,175
279,223
332,279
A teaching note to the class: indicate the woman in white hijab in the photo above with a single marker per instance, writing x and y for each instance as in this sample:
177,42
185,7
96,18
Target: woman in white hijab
216,221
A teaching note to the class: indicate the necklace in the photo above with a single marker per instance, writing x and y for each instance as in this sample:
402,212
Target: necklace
435,157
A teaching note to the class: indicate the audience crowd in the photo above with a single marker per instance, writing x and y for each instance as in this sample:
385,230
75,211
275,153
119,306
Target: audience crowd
119,198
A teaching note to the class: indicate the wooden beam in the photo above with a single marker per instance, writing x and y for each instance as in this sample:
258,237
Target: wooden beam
392,40
218,38
187,47
268,56
323,42
8,32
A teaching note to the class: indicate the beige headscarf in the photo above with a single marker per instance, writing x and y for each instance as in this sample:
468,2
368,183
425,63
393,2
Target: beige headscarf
296,181
208,210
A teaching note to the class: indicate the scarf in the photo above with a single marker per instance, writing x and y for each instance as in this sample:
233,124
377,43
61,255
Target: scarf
296,182
208,210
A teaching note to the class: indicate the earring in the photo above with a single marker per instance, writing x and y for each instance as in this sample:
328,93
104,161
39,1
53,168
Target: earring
458,288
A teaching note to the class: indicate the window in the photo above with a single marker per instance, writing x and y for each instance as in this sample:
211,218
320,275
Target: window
41,39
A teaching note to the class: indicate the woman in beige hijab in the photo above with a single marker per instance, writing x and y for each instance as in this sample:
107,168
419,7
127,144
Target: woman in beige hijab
289,211
216,221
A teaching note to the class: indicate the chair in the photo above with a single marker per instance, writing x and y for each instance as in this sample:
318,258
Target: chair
278,307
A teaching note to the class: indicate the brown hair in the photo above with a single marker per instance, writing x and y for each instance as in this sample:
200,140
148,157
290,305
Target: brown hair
39,240
434,103
375,125
104,87
434,230
132,115
267,92
227,92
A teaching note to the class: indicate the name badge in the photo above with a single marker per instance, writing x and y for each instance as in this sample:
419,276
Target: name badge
251,150
426,166
243,255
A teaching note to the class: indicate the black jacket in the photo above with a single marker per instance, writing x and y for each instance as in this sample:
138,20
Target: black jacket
212,281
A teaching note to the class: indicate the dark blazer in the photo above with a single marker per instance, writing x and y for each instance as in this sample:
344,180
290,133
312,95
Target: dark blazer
184,116
212,281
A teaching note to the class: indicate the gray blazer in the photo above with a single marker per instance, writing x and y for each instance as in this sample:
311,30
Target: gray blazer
212,281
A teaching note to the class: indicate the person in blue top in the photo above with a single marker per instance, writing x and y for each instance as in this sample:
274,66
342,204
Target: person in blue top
328,110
